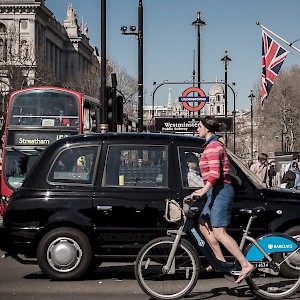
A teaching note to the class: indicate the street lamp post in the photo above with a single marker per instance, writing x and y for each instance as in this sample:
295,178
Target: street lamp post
251,96
101,115
198,23
226,59
139,35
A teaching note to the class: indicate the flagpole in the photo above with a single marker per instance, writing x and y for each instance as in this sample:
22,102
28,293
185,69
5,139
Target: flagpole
289,44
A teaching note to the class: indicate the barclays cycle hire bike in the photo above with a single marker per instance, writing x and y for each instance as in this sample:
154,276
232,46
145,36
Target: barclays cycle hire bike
168,267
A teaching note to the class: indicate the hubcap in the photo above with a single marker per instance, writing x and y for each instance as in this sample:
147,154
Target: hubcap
64,254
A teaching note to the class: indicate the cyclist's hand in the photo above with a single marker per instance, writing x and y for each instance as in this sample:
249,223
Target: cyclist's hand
196,195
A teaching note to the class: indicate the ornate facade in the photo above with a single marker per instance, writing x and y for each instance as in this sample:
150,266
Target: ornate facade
28,30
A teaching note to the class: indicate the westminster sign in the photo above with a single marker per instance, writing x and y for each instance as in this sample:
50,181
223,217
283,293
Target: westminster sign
186,125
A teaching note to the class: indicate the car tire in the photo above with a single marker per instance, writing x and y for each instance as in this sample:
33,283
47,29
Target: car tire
291,268
64,254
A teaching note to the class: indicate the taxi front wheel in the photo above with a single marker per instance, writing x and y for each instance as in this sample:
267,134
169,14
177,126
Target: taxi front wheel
64,254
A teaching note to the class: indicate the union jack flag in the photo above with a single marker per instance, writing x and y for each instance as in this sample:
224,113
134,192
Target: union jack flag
273,56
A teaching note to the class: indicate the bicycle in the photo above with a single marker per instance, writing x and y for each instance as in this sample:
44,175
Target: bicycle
168,267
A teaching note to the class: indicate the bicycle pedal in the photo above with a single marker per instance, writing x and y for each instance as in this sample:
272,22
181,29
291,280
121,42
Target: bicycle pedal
229,278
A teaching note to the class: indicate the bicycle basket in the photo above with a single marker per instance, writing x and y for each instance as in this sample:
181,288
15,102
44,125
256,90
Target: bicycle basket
173,212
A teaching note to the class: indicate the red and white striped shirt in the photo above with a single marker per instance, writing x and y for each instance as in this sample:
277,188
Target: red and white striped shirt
214,164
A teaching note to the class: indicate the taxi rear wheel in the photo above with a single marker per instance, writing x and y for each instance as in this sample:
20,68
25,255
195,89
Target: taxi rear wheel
291,267
64,254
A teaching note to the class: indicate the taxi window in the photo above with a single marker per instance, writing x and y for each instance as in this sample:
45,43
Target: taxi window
189,167
75,165
136,166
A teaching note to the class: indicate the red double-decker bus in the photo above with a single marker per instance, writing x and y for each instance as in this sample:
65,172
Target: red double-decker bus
36,117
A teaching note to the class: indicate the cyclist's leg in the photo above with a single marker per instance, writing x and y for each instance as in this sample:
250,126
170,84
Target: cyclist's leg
206,230
220,217
221,235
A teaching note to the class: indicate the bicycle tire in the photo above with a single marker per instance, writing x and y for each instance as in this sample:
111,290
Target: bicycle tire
149,269
272,286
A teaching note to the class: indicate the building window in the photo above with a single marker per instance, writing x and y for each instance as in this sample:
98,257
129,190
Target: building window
3,50
3,43
218,109
2,28
23,25
24,51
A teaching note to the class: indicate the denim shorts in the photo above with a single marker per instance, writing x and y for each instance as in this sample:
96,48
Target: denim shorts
217,210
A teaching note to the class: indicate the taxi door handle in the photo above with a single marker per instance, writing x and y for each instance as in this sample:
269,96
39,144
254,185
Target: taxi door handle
104,207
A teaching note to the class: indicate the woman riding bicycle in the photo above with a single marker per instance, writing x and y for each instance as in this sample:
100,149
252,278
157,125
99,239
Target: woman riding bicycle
215,217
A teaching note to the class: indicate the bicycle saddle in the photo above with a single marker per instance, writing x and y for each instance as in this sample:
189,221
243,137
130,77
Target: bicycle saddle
253,211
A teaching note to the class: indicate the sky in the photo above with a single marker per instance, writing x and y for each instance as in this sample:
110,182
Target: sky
170,40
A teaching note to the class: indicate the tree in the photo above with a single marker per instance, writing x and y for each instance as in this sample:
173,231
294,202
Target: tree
278,122
128,86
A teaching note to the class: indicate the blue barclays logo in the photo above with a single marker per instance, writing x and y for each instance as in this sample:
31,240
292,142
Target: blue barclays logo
200,241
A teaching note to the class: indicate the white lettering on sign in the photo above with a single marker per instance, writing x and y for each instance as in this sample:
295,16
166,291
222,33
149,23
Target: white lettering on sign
35,141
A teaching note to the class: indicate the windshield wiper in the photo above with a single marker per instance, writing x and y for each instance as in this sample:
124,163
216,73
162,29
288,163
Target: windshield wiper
38,149
27,154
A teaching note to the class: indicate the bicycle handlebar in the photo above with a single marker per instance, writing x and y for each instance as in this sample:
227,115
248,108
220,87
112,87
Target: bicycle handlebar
187,202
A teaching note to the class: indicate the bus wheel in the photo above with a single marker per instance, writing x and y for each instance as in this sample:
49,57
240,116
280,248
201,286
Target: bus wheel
64,254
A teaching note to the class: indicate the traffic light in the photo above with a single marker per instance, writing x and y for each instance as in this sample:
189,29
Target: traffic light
119,105
93,116
111,108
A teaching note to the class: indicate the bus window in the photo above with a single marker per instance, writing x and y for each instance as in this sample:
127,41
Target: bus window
44,108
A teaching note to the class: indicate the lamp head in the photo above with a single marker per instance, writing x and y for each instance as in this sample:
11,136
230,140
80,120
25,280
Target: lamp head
124,29
198,23
226,59
132,28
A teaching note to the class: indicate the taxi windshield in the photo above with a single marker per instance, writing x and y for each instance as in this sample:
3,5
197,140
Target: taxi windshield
17,165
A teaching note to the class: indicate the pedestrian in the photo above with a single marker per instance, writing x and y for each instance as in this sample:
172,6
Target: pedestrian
292,177
260,168
274,179
296,158
194,178
216,214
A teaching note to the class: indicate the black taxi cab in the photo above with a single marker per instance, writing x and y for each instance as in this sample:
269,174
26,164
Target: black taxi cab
101,197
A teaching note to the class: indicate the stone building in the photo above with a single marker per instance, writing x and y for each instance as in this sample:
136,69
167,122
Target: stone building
216,103
29,30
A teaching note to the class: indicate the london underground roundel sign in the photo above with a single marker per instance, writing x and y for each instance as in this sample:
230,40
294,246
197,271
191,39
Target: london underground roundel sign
200,99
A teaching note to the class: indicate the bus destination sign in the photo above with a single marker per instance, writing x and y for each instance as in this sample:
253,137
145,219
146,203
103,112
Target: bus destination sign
22,138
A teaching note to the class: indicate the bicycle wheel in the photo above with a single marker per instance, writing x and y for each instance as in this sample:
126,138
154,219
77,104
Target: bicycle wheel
182,277
271,284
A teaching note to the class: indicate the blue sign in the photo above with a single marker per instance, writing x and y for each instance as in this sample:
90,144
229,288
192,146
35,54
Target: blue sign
193,99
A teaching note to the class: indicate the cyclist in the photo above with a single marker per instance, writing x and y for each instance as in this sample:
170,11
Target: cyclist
216,214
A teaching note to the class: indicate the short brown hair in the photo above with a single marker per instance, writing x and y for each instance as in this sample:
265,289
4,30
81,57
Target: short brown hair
262,156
